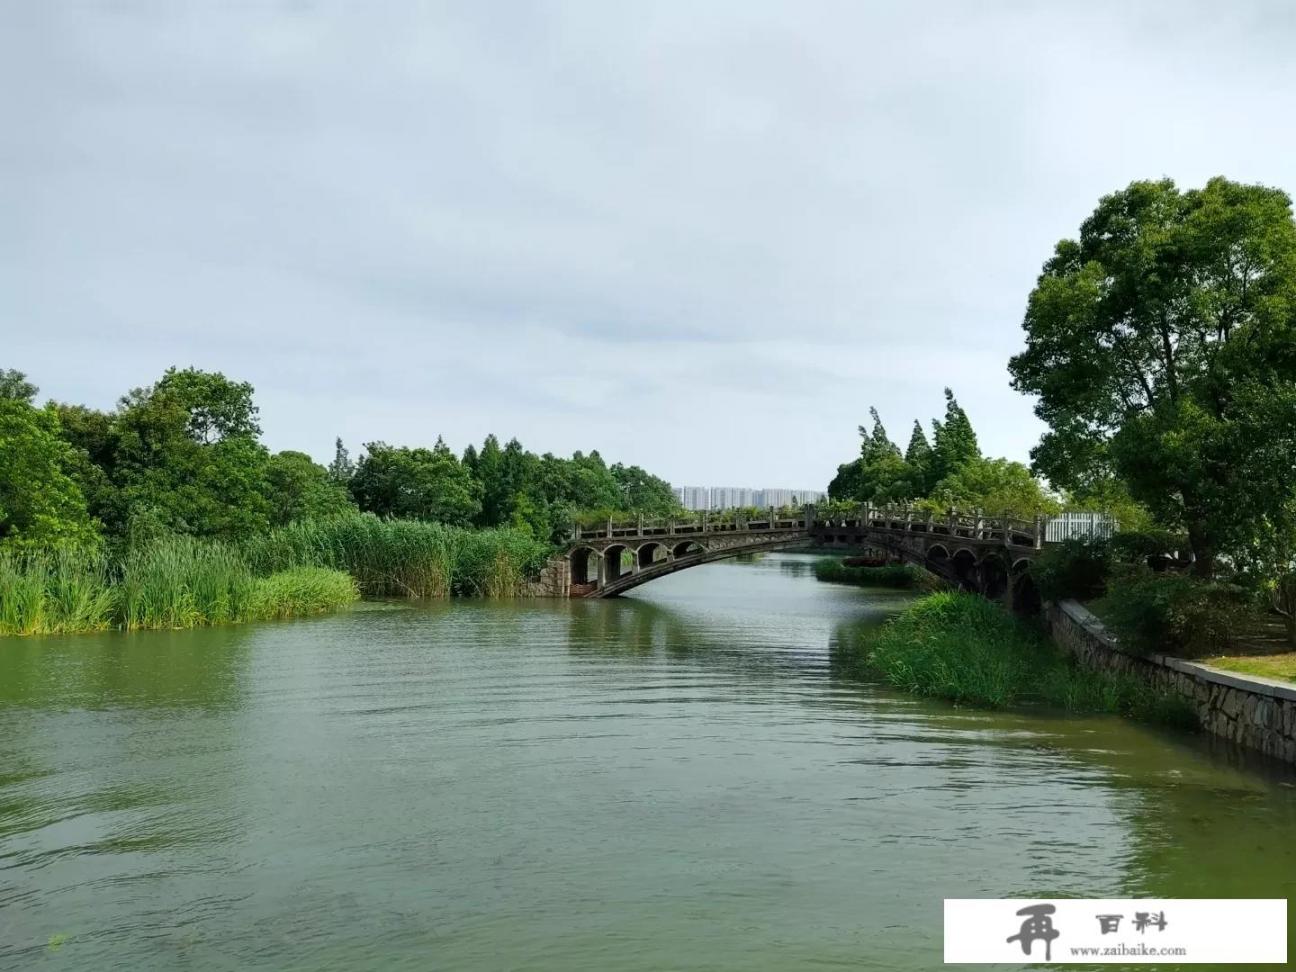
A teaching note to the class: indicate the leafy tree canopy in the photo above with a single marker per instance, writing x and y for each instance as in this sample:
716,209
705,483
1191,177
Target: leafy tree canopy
1160,343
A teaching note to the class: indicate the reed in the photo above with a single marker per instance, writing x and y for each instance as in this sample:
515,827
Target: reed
301,591
55,591
180,582
404,558
970,651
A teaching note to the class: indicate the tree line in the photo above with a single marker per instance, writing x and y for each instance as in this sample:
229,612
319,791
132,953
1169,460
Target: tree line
184,456
943,472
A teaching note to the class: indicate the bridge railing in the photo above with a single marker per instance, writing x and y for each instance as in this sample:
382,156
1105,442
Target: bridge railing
962,524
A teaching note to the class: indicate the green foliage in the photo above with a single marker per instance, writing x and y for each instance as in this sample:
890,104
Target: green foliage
40,503
902,576
177,582
968,650
302,591
953,442
300,489
404,558
1075,568
424,484
53,591
1160,344
183,582
995,486
1174,614
187,450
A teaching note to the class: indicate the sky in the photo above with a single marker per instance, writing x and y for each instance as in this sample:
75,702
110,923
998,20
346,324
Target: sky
703,237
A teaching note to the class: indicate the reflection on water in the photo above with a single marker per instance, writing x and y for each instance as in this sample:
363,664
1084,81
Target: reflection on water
678,779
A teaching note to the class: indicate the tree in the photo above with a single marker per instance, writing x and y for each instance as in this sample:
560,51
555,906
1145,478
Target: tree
15,386
994,486
40,504
298,488
424,484
642,492
954,442
1160,344
187,456
341,469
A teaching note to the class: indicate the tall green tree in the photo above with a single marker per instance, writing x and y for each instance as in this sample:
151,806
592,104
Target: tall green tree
953,442
1160,344
187,455
341,469
642,492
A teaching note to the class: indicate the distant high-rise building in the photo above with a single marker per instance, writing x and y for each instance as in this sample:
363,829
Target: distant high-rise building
728,497
693,497
731,497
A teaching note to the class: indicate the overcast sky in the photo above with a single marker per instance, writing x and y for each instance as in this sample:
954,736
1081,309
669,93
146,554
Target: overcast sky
703,237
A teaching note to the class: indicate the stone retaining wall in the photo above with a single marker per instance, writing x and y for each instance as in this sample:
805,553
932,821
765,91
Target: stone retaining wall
1258,713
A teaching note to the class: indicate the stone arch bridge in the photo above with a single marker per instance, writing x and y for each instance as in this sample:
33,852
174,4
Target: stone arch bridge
970,551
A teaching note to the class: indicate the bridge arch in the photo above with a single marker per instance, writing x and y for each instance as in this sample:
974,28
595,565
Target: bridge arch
687,548
612,558
650,553
584,565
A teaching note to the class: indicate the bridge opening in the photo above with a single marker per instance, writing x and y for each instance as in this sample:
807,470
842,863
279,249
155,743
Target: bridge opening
584,566
650,553
964,563
617,561
687,549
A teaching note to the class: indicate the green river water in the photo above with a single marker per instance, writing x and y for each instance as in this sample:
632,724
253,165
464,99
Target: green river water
674,780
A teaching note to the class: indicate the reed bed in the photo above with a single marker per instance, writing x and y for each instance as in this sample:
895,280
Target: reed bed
175,582
404,558
970,651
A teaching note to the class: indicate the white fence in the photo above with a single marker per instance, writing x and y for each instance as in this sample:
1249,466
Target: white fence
1069,526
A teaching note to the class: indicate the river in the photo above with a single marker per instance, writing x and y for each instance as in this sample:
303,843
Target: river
674,780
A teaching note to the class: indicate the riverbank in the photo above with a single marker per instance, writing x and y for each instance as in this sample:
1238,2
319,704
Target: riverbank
967,650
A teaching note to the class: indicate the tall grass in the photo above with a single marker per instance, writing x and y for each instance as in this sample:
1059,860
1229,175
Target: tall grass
172,582
55,591
404,558
969,650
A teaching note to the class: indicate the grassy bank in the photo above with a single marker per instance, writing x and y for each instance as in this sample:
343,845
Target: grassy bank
172,583
970,651
900,576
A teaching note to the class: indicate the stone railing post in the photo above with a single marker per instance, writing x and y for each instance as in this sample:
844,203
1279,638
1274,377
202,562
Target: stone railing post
953,522
1007,533
704,523
1039,531
639,524
609,528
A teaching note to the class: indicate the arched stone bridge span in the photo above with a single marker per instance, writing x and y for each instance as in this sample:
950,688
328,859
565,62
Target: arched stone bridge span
989,555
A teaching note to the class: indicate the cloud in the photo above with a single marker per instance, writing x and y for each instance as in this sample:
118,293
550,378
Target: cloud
703,238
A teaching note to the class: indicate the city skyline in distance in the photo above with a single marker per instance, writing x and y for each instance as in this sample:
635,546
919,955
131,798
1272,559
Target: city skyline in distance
731,497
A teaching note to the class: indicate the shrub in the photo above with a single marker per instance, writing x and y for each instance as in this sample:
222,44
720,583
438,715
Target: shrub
1174,613
1073,568
903,576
